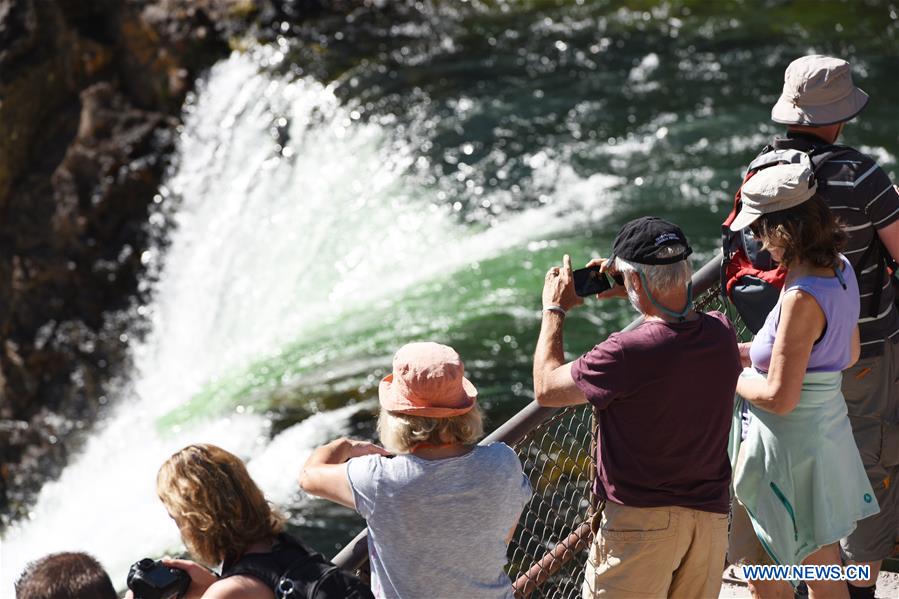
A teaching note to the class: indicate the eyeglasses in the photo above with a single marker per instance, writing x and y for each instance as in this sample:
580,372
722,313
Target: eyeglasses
616,276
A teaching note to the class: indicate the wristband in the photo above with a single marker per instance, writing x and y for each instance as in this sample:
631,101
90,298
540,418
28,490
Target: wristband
555,308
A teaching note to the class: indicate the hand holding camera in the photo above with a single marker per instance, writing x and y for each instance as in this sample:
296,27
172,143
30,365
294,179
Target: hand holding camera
169,579
149,579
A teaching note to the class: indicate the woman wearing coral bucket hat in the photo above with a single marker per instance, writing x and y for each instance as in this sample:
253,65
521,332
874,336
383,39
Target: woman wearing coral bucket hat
440,509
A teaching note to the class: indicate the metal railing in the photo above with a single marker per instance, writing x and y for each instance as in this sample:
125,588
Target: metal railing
547,553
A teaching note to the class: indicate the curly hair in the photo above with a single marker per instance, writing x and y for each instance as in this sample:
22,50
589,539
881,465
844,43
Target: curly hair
218,508
808,233
400,433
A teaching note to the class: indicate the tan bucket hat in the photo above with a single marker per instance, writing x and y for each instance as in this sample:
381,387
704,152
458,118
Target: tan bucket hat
428,379
818,90
773,189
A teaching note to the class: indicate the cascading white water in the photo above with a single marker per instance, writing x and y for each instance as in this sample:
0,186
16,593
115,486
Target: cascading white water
268,241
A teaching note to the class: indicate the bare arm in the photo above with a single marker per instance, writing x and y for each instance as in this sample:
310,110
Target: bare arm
801,323
238,587
743,348
325,472
553,385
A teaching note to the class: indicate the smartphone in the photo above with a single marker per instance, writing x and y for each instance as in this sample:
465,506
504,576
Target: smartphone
590,281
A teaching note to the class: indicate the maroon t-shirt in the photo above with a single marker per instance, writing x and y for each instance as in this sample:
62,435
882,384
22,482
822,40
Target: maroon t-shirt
665,394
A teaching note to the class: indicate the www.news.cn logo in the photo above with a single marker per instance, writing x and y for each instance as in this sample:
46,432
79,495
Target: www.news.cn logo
806,572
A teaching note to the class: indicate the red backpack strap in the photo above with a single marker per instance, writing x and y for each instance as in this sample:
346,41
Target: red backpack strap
741,267
737,202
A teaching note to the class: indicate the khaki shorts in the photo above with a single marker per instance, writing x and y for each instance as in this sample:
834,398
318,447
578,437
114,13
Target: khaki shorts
871,389
656,552
743,546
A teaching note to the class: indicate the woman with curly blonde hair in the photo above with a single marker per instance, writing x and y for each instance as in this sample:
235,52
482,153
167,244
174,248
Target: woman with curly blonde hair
225,519
218,508
221,514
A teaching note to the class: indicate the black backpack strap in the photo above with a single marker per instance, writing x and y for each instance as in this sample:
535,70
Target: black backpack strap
295,571
261,566
269,567
822,154
318,578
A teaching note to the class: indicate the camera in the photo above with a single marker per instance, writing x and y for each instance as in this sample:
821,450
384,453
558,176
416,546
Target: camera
149,579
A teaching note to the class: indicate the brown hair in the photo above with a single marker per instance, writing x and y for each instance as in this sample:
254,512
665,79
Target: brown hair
65,576
807,233
400,433
217,506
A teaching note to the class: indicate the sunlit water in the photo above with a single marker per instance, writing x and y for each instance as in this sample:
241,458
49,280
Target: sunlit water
421,193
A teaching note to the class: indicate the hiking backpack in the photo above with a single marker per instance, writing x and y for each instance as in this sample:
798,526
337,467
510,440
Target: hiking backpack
295,571
750,278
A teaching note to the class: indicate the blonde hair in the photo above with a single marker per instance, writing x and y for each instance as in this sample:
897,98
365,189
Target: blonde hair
218,508
400,433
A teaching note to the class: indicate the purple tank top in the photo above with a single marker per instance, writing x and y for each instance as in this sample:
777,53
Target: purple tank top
831,352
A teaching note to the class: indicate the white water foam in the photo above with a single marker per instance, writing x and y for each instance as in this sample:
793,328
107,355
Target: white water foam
268,239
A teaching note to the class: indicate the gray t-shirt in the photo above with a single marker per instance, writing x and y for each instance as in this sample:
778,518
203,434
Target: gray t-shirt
437,528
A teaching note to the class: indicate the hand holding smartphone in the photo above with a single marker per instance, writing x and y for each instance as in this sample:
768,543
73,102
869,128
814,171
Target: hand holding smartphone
590,281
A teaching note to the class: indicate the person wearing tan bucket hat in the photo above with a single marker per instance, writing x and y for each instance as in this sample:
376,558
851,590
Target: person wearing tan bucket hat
818,98
440,508
818,91
799,481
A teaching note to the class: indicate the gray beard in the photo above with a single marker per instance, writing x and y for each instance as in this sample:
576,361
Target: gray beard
634,299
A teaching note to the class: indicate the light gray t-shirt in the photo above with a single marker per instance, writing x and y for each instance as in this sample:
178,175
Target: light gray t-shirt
437,528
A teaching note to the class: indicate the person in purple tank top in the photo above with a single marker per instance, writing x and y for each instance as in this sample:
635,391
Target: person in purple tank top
798,479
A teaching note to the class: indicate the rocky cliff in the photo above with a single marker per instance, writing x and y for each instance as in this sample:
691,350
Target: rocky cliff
90,97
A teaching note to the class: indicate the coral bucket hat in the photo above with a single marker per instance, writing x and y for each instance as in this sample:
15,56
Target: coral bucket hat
428,379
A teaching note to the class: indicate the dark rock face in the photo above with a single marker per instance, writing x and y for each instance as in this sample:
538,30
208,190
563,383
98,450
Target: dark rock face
90,94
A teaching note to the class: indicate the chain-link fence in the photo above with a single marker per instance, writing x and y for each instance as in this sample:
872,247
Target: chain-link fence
712,299
546,556
549,550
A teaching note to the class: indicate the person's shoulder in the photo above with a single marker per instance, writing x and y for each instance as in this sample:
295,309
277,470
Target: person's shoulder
372,459
239,587
498,449
846,161
718,323
609,346
716,316
501,454
367,466
801,300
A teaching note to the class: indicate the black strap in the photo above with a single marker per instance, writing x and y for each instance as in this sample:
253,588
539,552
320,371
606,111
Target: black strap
286,553
263,567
